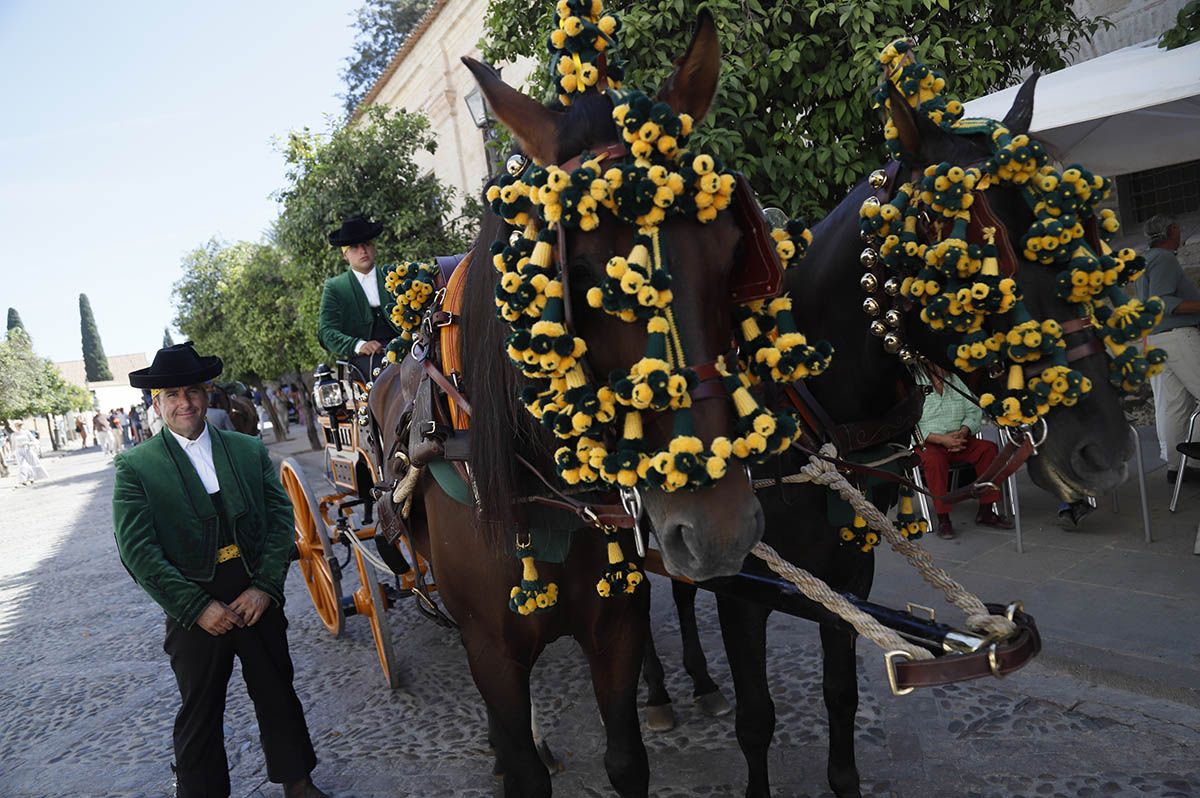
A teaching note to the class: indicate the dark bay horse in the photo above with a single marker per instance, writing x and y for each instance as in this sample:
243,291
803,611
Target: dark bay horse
471,548
1084,453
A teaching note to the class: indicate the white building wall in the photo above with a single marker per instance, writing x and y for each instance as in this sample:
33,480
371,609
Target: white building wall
1133,21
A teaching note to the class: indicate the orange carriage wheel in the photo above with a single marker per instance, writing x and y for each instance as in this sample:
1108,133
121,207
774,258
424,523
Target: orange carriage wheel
318,564
371,601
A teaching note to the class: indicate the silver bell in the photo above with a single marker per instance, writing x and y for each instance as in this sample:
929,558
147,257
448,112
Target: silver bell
869,257
892,317
877,179
516,164
891,343
375,373
878,328
869,283
907,357
870,306
872,201
891,287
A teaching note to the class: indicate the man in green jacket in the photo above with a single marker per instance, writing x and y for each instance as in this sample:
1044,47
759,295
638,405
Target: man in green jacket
356,307
204,526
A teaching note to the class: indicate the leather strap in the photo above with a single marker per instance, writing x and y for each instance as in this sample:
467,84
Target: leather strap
451,332
999,659
440,380
592,514
606,153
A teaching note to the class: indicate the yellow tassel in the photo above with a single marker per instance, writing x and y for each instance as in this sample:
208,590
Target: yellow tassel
633,426
745,403
1016,378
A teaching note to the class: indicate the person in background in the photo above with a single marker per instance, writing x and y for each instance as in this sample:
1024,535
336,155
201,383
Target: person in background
948,424
25,446
81,430
355,321
203,525
116,430
102,433
218,418
135,425
1177,389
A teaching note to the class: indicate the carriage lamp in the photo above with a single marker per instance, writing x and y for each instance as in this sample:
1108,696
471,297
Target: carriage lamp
327,391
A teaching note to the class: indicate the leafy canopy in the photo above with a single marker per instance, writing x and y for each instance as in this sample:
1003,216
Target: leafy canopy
382,27
793,108
32,385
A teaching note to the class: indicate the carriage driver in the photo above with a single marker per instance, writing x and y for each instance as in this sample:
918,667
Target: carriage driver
356,307
204,526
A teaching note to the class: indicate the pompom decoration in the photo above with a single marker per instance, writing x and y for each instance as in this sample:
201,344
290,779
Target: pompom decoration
956,281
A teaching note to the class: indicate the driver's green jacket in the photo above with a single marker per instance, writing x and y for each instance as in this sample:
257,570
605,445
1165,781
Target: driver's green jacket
167,526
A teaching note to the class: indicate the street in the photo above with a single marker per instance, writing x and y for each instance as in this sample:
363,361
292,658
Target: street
88,698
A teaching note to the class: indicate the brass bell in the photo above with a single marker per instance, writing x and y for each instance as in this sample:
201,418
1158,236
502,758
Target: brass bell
907,357
878,328
872,201
892,317
877,179
869,283
870,306
891,287
375,373
891,343
516,236
516,164
869,257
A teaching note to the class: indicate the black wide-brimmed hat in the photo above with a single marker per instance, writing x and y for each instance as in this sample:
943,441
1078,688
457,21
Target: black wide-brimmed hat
175,367
355,230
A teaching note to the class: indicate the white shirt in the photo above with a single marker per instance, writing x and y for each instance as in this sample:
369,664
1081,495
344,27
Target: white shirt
199,452
370,286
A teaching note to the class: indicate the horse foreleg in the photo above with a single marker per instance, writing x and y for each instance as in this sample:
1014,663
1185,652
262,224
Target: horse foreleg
840,686
744,630
612,633
708,696
659,714
504,685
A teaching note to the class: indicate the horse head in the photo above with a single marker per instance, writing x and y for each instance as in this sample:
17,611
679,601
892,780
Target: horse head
1003,262
647,301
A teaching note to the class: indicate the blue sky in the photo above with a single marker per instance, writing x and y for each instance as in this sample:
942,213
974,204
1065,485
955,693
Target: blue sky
132,133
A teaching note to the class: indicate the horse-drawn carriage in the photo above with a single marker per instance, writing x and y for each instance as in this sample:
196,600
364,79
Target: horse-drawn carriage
343,515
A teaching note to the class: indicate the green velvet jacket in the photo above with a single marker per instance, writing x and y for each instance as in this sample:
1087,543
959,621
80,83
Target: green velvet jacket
345,315
166,525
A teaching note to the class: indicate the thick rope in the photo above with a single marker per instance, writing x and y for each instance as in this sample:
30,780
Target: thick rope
367,554
403,492
820,592
822,472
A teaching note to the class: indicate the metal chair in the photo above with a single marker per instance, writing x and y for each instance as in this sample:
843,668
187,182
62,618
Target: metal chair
1192,451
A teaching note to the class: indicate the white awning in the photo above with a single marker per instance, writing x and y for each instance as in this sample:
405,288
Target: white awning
1132,109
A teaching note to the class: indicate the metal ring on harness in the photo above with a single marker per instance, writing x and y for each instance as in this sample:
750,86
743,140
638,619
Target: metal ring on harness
1028,431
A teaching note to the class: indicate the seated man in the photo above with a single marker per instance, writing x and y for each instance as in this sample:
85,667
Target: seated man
356,307
949,423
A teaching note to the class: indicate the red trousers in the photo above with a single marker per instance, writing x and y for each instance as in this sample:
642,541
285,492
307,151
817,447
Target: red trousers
936,461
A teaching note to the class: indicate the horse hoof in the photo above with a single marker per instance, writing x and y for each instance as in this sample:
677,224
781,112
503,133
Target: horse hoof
714,704
552,763
660,718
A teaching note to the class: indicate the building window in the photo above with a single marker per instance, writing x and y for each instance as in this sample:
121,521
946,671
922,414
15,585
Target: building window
1173,190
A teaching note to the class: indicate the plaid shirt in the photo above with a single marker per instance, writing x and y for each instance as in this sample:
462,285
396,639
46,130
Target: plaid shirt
949,410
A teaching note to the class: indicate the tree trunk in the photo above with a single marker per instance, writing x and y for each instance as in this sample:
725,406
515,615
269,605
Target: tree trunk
53,432
270,406
314,436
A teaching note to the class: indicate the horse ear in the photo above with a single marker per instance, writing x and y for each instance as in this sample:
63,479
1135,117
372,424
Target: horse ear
691,87
904,121
534,125
1020,116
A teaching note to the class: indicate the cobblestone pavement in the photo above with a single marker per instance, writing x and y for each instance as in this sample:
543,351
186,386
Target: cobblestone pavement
87,698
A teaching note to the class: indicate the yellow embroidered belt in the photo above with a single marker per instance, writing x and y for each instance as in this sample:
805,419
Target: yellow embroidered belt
228,553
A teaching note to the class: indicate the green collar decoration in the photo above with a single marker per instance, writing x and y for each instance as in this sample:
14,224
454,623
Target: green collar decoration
580,49
413,286
601,426
957,282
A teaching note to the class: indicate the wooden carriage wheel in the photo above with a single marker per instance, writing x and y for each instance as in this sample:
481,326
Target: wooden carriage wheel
318,564
371,601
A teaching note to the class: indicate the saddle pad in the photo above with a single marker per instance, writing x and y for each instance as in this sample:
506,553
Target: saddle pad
451,335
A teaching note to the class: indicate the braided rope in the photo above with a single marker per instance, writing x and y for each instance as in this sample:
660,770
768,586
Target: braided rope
403,492
820,592
822,472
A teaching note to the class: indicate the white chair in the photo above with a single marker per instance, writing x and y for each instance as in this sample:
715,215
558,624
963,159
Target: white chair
1183,459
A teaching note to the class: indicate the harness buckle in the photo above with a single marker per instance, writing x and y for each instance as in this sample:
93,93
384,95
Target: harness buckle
631,501
889,660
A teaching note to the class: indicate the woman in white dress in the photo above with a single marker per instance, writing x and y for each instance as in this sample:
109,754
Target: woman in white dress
25,445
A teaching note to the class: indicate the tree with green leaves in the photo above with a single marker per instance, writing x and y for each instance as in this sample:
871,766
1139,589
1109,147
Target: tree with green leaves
381,27
14,319
95,362
793,109
167,339
33,386
1186,28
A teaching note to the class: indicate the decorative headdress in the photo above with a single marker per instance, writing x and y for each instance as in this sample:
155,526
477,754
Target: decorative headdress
957,282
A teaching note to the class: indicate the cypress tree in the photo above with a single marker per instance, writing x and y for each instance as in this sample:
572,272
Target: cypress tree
95,363
167,340
14,319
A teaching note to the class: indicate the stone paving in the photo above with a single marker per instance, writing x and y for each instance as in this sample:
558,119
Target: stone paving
87,701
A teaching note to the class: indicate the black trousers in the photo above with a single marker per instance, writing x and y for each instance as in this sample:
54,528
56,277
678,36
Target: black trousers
203,663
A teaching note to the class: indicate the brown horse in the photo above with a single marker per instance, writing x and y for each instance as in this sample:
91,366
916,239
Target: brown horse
706,533
241,410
